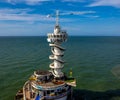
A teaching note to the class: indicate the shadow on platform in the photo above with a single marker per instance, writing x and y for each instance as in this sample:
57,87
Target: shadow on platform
93,95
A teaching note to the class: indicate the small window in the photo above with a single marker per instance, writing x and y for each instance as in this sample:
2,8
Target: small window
52,90
48,92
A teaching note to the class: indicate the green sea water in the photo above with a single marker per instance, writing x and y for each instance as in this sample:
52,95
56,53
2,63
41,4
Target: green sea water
91,59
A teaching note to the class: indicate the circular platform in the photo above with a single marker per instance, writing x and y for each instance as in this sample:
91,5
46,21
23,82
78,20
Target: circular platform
42,72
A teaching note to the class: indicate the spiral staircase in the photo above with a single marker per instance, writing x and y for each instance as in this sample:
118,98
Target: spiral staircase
56,38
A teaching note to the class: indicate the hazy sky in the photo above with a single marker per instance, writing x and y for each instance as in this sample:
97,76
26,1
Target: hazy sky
91,17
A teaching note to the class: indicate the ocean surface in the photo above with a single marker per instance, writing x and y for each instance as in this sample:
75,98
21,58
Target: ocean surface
91,59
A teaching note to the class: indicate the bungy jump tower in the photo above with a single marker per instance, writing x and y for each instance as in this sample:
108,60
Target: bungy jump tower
52,84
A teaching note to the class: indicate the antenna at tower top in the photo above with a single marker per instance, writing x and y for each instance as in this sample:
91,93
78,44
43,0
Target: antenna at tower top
57,17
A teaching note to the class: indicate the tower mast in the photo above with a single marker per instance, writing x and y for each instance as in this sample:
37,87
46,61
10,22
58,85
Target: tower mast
57,17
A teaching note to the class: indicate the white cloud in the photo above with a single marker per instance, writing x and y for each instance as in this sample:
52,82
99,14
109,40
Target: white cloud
77,12
29,2
73,0
27,15
14,11
92,16
34,2
83,12
113,3
24,29
21,15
